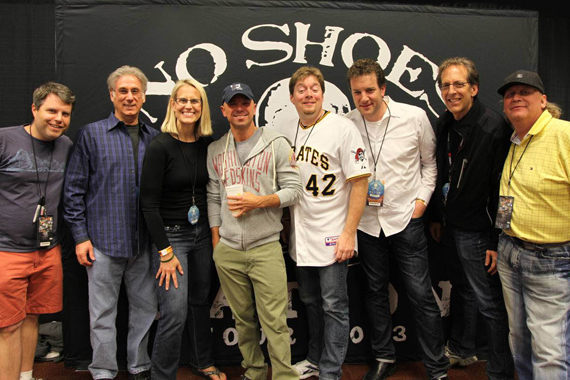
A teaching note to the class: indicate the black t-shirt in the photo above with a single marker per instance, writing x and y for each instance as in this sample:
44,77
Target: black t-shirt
135,138
171,170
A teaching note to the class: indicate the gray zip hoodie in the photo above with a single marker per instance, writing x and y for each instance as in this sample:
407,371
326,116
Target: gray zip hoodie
267,170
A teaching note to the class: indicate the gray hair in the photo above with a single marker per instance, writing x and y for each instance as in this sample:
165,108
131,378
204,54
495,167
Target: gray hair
554,109
126,70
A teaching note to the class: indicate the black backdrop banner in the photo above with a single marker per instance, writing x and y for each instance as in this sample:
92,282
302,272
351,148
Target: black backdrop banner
262,44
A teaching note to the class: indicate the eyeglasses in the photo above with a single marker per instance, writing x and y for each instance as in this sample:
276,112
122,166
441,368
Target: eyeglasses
184,101
456,85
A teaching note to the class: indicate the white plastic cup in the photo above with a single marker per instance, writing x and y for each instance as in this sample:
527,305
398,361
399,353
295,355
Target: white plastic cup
234,190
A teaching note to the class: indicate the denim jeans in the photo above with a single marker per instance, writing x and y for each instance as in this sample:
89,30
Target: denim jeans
409,248
474,289
188,305
324,292
536,287
105,277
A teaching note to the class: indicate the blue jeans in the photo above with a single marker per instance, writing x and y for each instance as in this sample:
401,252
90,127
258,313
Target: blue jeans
188,305
536,287
323,290
105,277
410,251
474,289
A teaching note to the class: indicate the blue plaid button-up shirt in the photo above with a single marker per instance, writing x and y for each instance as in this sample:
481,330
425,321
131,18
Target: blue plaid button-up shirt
101,196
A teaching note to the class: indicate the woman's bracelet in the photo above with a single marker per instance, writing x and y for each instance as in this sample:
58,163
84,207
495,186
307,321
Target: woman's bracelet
171,257
166,251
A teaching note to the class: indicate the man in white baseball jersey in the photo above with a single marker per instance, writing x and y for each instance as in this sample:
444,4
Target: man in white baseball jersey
400,144
330,155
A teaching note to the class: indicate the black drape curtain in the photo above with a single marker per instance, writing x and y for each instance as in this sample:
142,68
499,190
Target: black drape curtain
27,53
27,56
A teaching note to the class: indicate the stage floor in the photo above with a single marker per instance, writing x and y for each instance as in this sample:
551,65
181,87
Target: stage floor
406,371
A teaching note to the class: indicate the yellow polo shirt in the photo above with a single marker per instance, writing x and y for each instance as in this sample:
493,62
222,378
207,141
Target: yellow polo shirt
540,184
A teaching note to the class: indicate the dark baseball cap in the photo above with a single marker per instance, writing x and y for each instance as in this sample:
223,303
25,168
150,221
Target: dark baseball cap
522,77
237,89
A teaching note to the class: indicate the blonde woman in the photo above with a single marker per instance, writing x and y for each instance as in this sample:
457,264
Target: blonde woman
173,197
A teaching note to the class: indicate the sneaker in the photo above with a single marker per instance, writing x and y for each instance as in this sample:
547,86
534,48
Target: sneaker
456,359
51,356
306,369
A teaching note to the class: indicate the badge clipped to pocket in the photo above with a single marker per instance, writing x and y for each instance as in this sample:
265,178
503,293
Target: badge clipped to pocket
505,212
375,196
45,230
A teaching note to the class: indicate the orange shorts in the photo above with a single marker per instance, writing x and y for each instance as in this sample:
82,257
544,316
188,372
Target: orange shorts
30,283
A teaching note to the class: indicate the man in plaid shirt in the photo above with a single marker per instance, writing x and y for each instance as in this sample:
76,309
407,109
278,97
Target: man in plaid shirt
101,205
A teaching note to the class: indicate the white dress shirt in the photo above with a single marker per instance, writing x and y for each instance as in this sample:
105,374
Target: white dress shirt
406,163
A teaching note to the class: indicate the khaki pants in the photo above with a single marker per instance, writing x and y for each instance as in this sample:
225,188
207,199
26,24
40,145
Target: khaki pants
259,271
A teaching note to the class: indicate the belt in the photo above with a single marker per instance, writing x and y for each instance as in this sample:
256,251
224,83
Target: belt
536,246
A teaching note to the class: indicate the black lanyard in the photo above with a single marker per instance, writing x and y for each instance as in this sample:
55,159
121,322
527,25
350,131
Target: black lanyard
511,170
449,158
376,158
42,201
188,167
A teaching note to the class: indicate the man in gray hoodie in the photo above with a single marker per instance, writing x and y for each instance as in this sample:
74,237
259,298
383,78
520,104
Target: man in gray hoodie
252,177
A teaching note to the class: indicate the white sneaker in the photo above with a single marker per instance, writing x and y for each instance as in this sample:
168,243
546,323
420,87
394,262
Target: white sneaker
306,369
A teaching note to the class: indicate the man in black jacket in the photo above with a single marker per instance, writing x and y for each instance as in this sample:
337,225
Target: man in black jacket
472,143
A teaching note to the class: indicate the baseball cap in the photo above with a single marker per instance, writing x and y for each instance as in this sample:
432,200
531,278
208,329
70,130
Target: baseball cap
522,77
235,89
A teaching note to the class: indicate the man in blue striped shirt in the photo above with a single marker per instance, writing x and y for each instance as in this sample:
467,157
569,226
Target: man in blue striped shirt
101,206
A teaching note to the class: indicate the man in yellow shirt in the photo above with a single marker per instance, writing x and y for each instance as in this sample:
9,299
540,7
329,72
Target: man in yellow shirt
534,213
